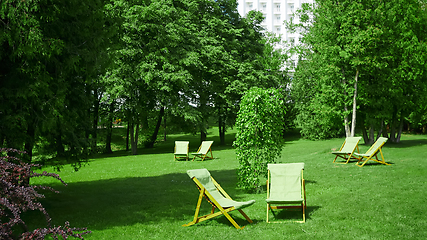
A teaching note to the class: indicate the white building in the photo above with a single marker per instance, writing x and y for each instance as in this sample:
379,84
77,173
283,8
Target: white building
275,13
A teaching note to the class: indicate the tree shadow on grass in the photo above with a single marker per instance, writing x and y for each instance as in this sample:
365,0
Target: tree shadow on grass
407,143
162,147
108,203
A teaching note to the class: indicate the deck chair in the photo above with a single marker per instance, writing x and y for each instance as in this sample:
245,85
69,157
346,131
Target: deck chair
217,197
181,150
373,152
347,149
203,151
286,188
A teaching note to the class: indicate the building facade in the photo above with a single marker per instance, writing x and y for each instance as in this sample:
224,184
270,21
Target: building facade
275,13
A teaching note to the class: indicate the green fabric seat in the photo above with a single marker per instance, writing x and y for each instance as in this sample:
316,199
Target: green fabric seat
286,186
203,151
373,152
217,197
205,179
181,150
348,149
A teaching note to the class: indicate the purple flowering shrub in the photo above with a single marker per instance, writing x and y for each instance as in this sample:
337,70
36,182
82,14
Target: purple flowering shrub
18,196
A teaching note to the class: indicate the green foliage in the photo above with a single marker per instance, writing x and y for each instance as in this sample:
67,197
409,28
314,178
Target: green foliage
316,102
362,60
66,68
259,134
51,55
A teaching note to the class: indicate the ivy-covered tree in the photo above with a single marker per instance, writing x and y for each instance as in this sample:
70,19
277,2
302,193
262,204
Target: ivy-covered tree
259,138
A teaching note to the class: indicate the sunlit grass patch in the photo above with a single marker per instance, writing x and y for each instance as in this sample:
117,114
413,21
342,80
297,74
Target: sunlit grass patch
149,196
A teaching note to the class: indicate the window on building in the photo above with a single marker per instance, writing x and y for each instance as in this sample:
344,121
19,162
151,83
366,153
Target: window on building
277,7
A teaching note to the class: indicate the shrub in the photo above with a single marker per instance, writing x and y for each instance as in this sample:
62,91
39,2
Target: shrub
259,135
17,197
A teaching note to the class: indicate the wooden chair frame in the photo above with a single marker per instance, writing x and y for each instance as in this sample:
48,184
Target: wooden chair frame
203,156
344,155
374,154
303,204
215,205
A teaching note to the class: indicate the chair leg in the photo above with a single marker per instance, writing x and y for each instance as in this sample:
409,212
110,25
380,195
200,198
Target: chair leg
246,216
225,213
364,162
335,158
196,213
348,159
303,212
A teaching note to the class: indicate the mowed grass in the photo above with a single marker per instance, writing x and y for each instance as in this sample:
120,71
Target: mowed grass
149,196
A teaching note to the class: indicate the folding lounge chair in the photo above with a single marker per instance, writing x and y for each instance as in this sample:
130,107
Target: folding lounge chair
217,197
347,149
181,150
286,188
373,152
203,151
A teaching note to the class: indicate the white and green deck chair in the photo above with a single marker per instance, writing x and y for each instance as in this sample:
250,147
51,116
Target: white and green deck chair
203,151
373,152
348,149
286,188
217,197
181,150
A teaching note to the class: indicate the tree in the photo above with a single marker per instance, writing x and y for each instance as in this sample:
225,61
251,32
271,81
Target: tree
361,53
52,52
173,53
259,134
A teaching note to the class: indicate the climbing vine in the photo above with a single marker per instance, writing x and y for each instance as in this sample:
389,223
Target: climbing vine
259,135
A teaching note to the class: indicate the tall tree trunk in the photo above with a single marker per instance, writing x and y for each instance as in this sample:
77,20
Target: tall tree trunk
353,118
153,137
221,126
380,131
202,135
60,151
134,137
29,142
399,133
371,134
365,135
135,143
127,136
346,124
109,129
95,118
346,121
131,131
393,126
164,128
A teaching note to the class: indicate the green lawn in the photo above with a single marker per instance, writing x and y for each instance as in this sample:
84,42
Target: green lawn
149,196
